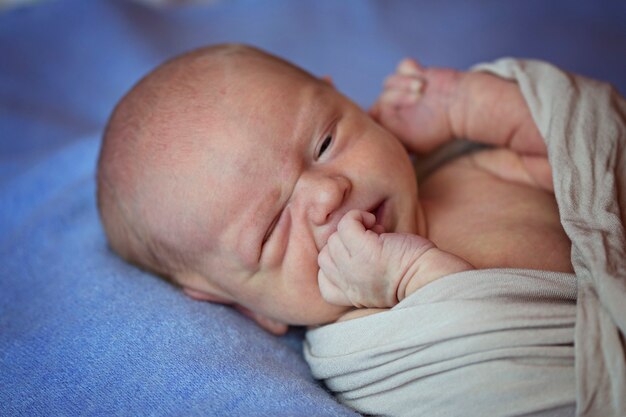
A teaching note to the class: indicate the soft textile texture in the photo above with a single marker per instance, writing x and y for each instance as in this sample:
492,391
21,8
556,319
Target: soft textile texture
483,342
501,342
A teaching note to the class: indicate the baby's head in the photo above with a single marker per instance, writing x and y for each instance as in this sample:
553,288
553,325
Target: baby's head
226,169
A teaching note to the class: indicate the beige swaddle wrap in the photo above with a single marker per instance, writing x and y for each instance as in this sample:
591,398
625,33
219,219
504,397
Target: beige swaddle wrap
504,341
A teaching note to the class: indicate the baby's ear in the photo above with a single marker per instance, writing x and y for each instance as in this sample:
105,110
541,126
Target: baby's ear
272,326
266,323
328,80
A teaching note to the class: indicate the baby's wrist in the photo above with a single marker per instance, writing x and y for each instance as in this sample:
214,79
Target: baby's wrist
431,265
409,282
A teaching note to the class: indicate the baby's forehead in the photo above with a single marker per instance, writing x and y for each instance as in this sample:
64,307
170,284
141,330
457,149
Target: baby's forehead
241,124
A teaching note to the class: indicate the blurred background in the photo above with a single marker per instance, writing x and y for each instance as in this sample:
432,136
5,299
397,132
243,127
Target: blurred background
65,63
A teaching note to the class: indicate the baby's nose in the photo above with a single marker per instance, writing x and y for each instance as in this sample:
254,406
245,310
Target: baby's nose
325,197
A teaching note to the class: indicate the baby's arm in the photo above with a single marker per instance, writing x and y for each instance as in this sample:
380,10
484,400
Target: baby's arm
427,107
362,268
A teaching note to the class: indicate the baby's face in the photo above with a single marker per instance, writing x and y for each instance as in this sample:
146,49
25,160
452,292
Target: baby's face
293,157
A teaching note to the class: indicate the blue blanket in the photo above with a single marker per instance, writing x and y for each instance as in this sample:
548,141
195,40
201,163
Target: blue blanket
83,333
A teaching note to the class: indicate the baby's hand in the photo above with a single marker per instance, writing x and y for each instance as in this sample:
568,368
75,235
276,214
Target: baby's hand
362,267
416,105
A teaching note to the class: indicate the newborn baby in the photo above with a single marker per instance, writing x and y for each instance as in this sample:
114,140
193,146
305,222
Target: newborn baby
247,181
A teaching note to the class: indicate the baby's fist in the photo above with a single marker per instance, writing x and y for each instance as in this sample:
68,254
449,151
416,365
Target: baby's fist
363,267
415,105
351,264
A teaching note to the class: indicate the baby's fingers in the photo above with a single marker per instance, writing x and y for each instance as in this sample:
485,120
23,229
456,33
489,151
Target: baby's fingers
357,218
336,251
328,274
331,293
409,66
355,223
406,83
401,90
354,230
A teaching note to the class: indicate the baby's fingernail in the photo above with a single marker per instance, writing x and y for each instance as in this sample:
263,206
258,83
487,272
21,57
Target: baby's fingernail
407,67
416,85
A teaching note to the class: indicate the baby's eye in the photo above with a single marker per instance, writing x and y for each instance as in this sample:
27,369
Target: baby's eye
325,144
